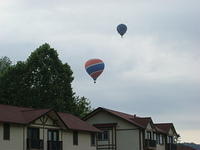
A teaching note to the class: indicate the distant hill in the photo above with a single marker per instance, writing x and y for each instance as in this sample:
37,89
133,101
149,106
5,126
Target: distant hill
193,145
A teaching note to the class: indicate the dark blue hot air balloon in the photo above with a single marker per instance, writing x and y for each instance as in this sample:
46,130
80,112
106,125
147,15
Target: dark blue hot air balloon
121,29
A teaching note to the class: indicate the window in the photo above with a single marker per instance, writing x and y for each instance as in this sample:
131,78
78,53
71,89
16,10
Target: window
148,135
154,136
161,139
103,136
6,131
170,139
53,135
158,139
93,139
75,138
33,133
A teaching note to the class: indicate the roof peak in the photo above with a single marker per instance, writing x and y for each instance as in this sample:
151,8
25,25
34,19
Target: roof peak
134,115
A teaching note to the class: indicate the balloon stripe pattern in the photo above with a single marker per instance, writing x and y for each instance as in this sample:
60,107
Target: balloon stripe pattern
95,75
94,67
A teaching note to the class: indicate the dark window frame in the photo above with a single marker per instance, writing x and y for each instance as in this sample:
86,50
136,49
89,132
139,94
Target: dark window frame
154,135
161,139
6,131
171,139
33,133
75,137
149,135
53,132
158,138
103,136
93,139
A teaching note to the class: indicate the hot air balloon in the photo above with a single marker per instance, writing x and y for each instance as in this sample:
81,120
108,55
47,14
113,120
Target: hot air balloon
121,29
94,67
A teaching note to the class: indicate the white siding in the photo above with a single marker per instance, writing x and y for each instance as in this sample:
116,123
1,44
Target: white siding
128,140
16,138
83,141
127,133
103,117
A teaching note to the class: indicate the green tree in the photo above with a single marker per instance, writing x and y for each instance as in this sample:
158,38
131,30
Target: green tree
42,81
5,62
82,106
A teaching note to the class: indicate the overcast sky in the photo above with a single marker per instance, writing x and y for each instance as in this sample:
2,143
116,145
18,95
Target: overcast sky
153,71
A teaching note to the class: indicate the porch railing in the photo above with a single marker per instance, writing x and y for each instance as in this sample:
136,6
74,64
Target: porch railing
106,147
34,144
150,143
54,145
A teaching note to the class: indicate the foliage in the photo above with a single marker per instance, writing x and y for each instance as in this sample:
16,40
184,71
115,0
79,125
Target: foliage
80,106
5,62
42,81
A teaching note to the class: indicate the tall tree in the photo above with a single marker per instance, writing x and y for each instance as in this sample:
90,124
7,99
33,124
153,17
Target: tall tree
42,81
5,62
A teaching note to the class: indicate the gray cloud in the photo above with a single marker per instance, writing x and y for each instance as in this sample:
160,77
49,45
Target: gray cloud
152,71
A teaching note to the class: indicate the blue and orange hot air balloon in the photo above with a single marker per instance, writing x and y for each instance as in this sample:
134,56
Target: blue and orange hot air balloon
94,67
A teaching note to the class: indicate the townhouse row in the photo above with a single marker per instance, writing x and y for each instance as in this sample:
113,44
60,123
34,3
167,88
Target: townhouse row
121,131
103,129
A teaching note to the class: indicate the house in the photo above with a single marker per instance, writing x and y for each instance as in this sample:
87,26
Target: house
43,129
121,131
170,136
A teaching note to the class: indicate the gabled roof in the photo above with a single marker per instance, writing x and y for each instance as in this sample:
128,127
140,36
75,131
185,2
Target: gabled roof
20,115
34,114
165,127
74,123
141,122
144,121
23,115
133,119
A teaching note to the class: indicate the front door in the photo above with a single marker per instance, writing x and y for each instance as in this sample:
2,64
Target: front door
33,138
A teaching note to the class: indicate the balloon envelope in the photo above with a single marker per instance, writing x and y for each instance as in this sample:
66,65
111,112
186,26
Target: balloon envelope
121,29
94,67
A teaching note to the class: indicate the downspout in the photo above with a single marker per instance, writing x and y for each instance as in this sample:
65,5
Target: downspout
23,138
115,138
139,139
43,136
143,138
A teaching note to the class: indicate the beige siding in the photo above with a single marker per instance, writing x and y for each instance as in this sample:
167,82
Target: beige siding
103,117
48,121
149,127
171,133
16,138
128,140
83,141
127,133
